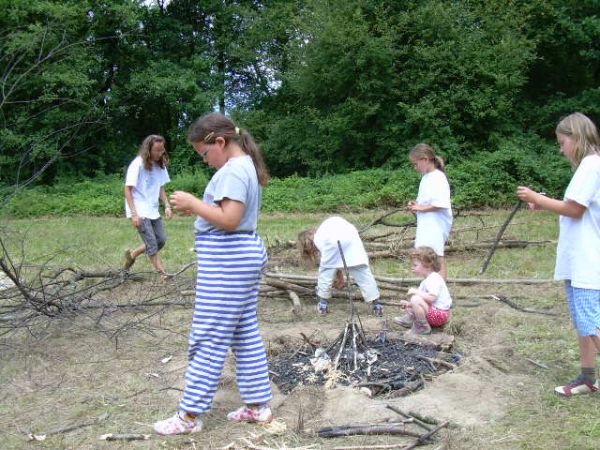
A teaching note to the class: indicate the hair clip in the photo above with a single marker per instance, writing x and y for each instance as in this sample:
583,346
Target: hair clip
208,137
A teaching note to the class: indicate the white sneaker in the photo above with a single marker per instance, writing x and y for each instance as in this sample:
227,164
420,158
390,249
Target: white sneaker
579,385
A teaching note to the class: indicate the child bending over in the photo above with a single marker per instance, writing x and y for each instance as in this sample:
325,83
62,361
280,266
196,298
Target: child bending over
321,244
430,303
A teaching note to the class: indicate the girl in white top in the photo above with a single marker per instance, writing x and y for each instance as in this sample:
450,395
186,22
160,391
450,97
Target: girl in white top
432,206
144,185
430,303
322,244
578,250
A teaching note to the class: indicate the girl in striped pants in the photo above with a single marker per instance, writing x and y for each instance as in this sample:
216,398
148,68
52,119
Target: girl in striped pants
231,257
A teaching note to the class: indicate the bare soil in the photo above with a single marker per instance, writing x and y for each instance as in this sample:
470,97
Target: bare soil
120,371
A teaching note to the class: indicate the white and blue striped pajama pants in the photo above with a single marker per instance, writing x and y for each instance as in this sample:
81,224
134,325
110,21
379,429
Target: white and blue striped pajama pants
227,285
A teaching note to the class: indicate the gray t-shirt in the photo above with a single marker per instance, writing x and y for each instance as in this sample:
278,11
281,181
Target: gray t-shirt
236,180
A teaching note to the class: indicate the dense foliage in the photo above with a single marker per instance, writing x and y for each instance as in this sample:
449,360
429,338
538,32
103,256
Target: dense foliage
482,181
327,86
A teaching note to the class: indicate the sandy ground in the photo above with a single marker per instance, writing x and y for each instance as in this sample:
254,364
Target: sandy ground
128,372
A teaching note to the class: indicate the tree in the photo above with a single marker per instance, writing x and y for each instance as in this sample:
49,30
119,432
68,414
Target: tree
47,103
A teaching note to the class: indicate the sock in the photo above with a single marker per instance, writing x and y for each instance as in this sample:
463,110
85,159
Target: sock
187,416
589,373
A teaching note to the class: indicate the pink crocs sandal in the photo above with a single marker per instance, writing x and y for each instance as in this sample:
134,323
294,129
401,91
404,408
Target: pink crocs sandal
177,425
247,414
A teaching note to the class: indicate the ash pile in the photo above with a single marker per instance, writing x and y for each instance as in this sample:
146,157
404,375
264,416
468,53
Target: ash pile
379,367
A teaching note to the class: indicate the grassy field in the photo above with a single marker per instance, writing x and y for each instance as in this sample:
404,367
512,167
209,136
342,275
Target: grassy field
104,370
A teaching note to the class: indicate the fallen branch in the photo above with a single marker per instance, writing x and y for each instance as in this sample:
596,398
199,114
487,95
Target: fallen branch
380,220
412,280
295,301
426,436
536,363
352,430
439,362
409,388
512,304
492,249
416,420
76,426
124,437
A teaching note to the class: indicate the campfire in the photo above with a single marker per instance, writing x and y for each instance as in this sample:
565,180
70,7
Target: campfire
379,366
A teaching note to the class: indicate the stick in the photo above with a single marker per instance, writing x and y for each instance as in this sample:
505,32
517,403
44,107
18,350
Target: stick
124,437
411,280
503,299
365,430
337,358
438,361
347,280
425,437
536,363
295,301
492,249
380,218
417,421
365,447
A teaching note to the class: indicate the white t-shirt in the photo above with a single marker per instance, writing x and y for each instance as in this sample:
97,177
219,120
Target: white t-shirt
435,284
146,188
433,227
336,229
578,249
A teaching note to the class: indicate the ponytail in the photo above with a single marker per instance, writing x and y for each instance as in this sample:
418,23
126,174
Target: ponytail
213,125
247,143
426,151
438,162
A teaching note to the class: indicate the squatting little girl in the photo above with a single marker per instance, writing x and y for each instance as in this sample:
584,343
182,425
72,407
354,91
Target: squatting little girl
430,303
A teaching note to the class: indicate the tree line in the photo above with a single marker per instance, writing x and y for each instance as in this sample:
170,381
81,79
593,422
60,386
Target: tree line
326,86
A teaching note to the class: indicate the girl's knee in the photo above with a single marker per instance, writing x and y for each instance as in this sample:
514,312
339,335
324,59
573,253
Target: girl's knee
416,301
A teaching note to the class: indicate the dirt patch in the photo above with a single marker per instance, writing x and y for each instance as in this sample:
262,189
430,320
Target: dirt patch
71,373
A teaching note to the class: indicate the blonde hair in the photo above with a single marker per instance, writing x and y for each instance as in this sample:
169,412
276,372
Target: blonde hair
426,256
582,130
426,151
213,125
146,148
306,245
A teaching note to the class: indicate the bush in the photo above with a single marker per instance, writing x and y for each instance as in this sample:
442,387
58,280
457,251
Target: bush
487,179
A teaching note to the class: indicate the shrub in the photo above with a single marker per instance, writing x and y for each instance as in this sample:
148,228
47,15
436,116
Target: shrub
486,179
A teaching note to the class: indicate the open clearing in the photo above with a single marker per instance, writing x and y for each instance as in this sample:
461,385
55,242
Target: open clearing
117,370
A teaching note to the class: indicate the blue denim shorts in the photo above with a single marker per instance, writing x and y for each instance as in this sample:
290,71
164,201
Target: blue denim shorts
584,305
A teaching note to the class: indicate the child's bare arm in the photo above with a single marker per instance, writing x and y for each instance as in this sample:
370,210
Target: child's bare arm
426,296
537,200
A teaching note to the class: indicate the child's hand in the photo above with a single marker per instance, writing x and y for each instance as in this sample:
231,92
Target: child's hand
404,304
412,291
530,196
414,206
182,201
